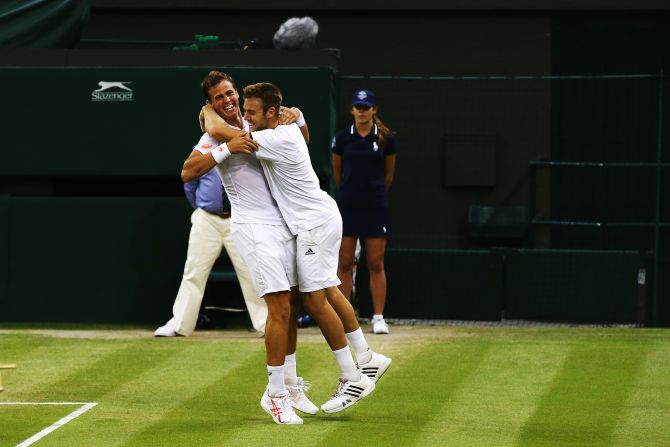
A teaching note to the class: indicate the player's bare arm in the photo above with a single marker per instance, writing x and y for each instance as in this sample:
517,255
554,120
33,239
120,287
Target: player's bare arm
216,127
198,164
305,132
292,115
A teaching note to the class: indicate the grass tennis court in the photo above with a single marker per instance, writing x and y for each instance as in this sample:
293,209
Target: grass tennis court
448,385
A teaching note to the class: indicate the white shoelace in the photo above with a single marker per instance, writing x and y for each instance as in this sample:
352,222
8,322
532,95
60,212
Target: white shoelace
303,385
340,389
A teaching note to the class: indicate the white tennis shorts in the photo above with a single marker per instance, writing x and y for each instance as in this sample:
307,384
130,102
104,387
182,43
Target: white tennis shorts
269,252
317,255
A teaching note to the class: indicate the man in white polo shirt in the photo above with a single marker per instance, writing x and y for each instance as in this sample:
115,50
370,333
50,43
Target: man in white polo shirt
312,215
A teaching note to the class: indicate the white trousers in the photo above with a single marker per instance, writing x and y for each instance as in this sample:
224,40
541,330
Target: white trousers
209,235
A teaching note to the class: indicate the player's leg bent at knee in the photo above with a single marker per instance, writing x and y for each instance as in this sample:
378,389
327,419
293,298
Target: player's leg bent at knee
353,385
372,364
331,327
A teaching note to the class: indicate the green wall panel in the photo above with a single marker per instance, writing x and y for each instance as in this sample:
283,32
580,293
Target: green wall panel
4,248
437,284
663,303
571,285
94,259
55,119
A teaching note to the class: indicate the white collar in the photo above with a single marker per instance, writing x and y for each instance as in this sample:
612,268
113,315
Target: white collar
374,129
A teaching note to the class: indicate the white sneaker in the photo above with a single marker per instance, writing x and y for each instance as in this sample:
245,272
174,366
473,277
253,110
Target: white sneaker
166,330
300,400
376,367
379,326
279,407
348,393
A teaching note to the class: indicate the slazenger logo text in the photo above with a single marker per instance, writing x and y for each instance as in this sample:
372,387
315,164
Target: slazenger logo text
112,91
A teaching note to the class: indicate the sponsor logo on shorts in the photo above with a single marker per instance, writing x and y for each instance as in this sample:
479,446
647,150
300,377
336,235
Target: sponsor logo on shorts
112,91
310,252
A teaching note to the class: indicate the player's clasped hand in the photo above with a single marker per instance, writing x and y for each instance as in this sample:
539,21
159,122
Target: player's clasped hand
242,144
287,115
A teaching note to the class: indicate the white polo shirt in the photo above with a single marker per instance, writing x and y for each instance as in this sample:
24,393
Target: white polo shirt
294,185
245,184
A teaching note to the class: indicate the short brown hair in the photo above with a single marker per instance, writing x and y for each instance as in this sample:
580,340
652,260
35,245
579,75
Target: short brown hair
268,93
212,79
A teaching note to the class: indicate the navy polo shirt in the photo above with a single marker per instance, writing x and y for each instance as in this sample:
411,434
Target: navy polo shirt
363,168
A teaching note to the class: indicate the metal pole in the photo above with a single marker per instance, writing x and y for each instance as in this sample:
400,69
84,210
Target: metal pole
531,204
657,245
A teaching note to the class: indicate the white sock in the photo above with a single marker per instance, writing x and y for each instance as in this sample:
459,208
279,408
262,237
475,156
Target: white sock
290,374
348,369
276,380
360,345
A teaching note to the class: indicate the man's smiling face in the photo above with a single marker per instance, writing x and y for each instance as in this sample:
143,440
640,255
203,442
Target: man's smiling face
225,101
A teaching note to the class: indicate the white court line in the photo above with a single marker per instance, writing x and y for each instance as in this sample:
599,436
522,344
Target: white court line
56,425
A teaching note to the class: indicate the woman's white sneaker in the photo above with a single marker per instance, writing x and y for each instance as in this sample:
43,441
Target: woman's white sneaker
300,400
348,393
379,326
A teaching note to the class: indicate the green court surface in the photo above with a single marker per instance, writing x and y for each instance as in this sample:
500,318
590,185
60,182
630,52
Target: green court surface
448,385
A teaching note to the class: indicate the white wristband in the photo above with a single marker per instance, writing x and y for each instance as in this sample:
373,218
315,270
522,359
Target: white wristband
301,119
220,153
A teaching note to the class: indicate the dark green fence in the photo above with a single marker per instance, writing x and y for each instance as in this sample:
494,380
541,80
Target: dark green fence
92,259
568,285
544,285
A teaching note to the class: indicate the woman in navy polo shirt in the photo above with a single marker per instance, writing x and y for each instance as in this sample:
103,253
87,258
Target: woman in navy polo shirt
363,166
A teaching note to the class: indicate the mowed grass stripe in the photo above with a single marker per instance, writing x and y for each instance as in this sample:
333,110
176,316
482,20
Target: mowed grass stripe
584,403
496,399
422,379
14,348
648,406
132,406
225,408
115,363
41,369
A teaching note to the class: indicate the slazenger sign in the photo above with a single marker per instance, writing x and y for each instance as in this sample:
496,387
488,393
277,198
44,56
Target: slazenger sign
112,91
